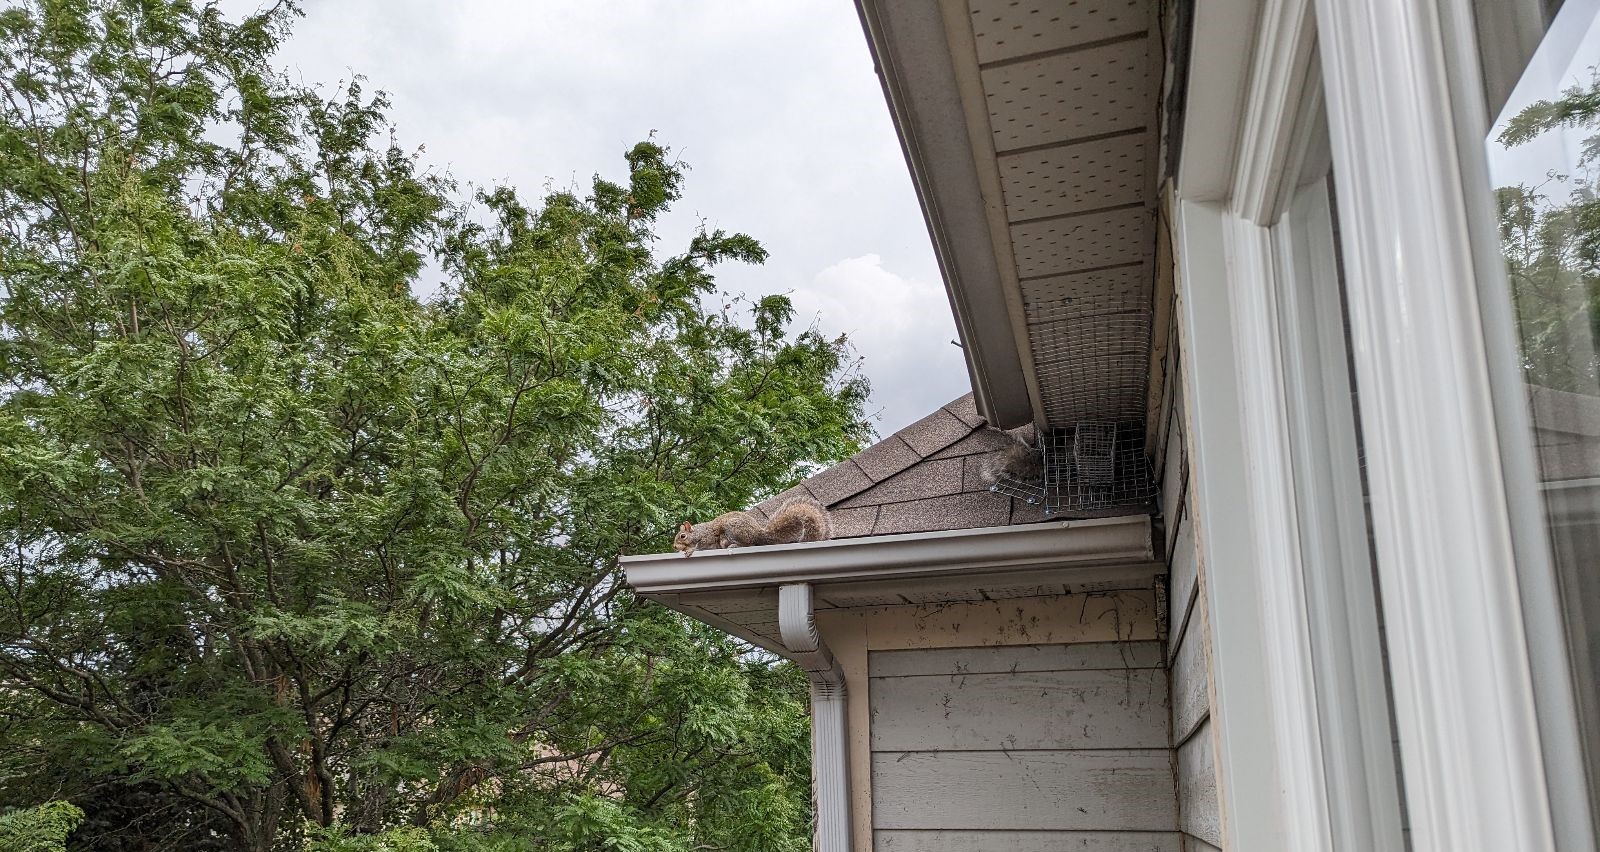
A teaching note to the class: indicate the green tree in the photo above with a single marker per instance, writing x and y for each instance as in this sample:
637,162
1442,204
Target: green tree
299,560
1550,235
42,828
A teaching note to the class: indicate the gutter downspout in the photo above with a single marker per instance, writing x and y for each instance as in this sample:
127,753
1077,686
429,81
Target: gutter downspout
830,745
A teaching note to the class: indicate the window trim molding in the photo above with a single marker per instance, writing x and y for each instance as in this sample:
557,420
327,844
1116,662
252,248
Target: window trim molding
1543,612
1346,648
1330,787
1463,689
1246,755
1275,521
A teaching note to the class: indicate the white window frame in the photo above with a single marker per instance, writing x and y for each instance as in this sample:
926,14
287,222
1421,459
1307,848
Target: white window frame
1352,720
1467,591
1482,705
1482,708
1303,729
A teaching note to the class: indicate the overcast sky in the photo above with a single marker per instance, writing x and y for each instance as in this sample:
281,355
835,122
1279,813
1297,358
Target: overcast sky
775,107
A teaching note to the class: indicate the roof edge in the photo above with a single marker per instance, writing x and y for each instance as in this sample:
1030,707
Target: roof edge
912,54
1100,541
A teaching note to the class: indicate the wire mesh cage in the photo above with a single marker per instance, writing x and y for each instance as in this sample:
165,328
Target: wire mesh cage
1092,357
1116,474
1030,492
1094,453
1091,353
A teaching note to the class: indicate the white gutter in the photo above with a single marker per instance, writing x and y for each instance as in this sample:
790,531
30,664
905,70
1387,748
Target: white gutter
1057,544
830,732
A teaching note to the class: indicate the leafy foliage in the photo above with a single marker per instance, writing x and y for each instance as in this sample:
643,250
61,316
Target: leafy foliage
297,560
42,828
1550,235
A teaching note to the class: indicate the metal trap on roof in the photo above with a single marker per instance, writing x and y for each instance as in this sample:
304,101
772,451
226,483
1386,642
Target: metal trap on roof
1094,466
1030,492
1091,467
1091,353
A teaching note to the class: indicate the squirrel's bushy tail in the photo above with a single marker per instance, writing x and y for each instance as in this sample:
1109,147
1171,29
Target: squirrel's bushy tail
800,519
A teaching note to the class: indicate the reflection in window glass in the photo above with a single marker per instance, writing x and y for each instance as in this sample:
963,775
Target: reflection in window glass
1544,156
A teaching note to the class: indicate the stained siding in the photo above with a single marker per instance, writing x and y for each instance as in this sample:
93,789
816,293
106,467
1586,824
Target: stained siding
1036,748
1200,817
1025,710
1190,695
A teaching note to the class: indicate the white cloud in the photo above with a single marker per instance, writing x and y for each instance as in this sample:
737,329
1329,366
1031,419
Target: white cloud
902,328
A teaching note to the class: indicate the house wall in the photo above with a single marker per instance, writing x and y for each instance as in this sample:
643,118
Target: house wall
1187,631
1032,723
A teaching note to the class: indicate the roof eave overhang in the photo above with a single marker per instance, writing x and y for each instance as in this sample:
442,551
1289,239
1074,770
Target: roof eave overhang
949,562
920,81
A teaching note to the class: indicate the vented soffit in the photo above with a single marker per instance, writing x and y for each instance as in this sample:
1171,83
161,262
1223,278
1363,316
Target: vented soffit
1030,129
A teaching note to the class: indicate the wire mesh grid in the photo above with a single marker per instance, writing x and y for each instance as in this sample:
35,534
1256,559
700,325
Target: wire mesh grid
1030,492
1091,353
1092,357
1094,453
1114,474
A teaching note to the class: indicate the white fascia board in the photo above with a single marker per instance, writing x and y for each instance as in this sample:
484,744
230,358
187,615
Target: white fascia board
913,57
1059,544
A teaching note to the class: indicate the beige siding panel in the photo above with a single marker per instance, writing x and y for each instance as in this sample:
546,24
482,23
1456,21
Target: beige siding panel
1104,625
1039,790
1122,616
1185,571
1190,701
1197,788
1195,844
1027,841
1017,658
1027,710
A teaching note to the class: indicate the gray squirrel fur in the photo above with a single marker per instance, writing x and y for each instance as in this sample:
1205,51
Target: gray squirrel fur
1020,461
799,519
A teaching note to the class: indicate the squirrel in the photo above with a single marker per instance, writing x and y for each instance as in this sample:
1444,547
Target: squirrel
800,519
1020,461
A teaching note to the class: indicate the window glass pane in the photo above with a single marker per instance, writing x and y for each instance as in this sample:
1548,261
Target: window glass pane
1544,154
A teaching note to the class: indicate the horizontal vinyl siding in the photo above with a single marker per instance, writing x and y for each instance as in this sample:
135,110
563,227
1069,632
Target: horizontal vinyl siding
1018,658
1026,710
1197,788
1035,748
1106,790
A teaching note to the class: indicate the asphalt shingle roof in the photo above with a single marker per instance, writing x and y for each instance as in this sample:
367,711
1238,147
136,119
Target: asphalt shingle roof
922,478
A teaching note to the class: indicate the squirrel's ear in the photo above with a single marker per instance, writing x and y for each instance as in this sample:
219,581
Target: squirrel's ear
687,527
